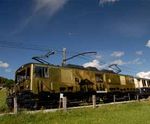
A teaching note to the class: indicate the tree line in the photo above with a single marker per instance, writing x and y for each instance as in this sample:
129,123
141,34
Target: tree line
4,82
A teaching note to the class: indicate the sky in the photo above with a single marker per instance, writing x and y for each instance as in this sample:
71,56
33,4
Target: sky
118,30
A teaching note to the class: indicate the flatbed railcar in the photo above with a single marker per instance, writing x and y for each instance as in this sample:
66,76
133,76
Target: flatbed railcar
40,85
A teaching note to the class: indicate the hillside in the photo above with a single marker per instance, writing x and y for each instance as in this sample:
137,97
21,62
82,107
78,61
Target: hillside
3,106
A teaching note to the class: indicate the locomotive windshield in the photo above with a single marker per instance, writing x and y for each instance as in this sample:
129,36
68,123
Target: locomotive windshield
41,72
22,75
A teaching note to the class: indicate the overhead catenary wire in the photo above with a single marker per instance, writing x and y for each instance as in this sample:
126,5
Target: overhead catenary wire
20,45
29,46
17,45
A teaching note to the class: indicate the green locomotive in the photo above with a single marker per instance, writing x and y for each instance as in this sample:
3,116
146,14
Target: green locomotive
40,85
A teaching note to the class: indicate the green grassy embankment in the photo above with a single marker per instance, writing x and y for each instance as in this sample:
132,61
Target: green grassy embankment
130,113
3,106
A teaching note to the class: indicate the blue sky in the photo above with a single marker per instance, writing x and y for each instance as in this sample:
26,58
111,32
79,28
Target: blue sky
117,29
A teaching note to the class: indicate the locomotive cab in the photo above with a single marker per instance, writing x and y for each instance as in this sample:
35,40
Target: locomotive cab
23,78
32,80
31,77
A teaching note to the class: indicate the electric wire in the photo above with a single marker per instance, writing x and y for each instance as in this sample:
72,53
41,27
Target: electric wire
20,45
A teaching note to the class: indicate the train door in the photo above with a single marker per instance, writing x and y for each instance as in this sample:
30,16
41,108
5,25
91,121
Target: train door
40,86
99,82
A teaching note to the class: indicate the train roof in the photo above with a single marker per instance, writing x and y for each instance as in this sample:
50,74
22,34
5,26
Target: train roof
27,64
77,67
69,66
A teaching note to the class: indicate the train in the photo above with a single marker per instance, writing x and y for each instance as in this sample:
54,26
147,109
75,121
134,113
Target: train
41,85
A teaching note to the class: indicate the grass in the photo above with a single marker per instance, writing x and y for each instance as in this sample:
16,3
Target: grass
131,113
3,106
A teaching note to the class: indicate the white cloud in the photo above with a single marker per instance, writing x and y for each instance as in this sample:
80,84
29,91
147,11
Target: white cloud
49,7
148,44
101,2
3,64
136,61
117,54
118,62
139,52
41,7
95,63
98,56
143,74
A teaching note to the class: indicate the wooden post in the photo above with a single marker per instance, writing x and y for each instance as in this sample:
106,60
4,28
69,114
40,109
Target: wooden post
94,101
65,103
137,97
15,105
114,98
60,103
129,96
61,100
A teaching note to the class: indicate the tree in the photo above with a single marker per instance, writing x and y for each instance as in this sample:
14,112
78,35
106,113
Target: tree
4,82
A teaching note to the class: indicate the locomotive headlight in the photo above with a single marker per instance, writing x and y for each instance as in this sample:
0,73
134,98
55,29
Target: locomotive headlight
109,80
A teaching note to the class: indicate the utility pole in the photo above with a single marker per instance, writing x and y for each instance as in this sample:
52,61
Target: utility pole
64,57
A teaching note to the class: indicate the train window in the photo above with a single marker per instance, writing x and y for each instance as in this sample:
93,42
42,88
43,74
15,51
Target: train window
20,76
99,78
129,79
143,82
28,72
41,72
148,83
